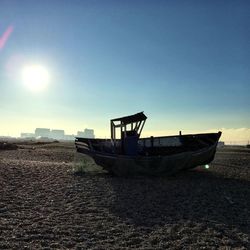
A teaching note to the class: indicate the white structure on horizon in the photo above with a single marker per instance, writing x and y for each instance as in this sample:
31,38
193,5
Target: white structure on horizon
42,132
88,133
27,135
69,137
57,134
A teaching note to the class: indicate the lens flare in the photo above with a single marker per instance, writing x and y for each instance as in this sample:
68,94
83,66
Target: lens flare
4,38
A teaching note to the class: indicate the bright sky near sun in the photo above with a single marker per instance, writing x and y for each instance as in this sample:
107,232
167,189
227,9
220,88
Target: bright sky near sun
76,64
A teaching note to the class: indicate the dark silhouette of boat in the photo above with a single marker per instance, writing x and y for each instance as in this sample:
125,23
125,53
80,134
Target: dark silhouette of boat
131,155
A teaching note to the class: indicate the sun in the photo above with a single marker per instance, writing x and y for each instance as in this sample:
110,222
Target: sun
35,77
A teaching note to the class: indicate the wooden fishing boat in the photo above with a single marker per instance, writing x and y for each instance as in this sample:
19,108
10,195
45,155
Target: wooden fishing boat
131,155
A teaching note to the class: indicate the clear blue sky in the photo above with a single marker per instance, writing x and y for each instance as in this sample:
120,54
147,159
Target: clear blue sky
184,63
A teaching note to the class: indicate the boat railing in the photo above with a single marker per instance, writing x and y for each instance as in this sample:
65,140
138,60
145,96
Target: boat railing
160,142
180,140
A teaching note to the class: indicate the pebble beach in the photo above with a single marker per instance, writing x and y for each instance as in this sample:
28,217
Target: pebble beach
44,204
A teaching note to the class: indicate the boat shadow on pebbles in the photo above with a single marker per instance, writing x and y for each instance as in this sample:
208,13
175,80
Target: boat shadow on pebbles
197,197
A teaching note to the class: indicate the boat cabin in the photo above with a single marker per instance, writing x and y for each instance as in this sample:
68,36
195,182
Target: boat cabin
130,128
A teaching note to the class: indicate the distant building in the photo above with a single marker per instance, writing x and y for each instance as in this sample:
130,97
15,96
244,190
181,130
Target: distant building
88,133
69,137
57,134
42,132
27,135
80,134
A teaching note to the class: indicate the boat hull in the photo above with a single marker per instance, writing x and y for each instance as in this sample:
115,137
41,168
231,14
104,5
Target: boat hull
154,165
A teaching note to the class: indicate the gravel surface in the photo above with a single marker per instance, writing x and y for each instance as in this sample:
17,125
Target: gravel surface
44,205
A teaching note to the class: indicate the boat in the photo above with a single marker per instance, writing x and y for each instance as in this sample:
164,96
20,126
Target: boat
128,154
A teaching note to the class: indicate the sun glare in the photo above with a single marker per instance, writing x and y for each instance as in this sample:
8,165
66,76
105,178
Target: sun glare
35,77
